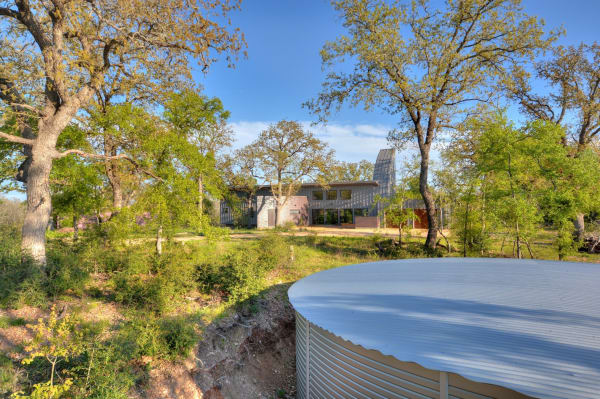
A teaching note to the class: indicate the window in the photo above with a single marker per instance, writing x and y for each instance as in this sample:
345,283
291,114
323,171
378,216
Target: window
225,210
318,216
331,216
346,216
346,194
294,211
332,195
317,195
361,212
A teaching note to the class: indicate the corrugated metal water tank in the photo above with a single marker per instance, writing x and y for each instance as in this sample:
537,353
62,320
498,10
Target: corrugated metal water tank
449,328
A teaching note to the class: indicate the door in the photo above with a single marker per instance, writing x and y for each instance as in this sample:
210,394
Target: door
271,218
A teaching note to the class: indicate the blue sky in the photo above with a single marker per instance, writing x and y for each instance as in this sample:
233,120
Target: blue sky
283,69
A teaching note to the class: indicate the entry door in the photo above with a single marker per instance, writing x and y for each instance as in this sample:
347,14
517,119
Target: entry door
271,217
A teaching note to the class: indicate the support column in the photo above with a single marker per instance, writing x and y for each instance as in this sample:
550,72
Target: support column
443,385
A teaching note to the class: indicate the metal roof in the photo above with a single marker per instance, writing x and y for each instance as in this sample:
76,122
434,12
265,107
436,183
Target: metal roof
532,326
333,184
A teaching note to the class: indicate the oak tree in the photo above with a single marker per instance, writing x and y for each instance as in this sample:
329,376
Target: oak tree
57,54
202,123
285,155
573,74
424,64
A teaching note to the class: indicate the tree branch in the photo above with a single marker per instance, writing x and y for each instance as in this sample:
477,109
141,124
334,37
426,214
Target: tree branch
106,158
16,139
7,12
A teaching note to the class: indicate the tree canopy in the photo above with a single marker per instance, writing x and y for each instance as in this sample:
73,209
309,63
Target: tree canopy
284,155
424,64
57,54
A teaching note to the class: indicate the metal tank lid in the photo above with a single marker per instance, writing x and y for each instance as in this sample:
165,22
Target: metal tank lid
532,326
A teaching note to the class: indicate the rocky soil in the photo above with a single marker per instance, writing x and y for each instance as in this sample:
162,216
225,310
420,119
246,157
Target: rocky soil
249,354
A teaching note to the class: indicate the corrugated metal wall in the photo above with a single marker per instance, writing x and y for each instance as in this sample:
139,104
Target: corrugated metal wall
329,367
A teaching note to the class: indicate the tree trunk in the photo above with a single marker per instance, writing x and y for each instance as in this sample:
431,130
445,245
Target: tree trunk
466,227
518,241
277,209
249,212
159,240
400,235
39,205
579,223
75,227
432,231
200,195
112,172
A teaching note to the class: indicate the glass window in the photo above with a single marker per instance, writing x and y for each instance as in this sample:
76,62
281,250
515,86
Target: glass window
346,194
332,195
225,210
361,212
317,195
294,211
346,216
331,216
318,216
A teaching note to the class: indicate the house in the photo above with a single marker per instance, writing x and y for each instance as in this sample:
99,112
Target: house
345,204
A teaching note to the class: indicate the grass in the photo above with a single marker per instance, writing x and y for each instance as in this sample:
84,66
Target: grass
7,321
148,307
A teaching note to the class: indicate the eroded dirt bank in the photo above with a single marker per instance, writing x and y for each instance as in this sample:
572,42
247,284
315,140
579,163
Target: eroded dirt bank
250,354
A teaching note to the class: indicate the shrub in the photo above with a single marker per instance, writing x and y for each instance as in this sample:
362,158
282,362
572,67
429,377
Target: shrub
169,338
238,275
140,291
6,321
10,376
179,336
21,282
173,277
65,273
110,373
273,251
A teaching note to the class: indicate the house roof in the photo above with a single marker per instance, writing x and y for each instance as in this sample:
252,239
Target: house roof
334,184
531,326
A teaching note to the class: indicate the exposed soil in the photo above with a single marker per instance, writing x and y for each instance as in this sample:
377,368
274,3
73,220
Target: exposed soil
249,354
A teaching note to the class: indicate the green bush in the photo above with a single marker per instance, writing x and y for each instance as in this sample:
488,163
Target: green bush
238,275
10,376
22,285
110,374
179,336
273,251
140,291
21,282
172,278
168,338
6,321
65,273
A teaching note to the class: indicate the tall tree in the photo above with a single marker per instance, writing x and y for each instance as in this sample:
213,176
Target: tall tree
515,178
573,73
424,64
202,122
59,53
285,155
240,171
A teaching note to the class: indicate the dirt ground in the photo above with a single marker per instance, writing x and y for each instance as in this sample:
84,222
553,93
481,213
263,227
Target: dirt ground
328,231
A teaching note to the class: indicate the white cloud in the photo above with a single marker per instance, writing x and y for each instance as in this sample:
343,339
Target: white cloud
351,143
